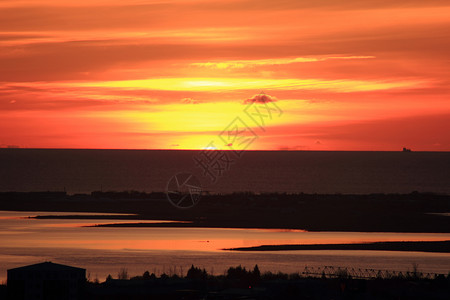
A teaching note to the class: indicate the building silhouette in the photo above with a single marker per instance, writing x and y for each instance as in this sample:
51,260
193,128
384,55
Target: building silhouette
46,281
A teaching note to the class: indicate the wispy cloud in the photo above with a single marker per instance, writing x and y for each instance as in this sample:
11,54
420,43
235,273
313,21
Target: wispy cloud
189,101
220,84
271,61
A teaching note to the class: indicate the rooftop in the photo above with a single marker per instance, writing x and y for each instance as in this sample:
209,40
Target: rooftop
47,266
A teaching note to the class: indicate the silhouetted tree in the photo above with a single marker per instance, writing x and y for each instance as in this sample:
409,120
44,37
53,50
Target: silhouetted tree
146,275
123,274
237,273
256,272
196,273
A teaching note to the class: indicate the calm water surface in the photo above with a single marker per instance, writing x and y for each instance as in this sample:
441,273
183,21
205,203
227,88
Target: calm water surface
103,250
257,171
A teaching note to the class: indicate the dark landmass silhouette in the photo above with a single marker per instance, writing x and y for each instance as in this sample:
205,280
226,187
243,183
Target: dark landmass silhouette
241,283
422,246
413,212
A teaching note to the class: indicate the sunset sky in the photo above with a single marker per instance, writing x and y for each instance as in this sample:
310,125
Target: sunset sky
173,74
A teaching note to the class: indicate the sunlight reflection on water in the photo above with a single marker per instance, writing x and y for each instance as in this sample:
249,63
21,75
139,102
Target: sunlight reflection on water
104,249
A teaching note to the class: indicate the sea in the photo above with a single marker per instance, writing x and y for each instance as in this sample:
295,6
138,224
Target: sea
105,250
84,171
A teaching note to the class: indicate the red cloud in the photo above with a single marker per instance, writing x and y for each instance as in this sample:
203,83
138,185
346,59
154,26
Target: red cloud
260,98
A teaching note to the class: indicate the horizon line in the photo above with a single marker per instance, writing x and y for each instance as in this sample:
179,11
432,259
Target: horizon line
250,150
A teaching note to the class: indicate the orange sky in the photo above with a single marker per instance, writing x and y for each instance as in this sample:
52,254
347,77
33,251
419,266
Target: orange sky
348,75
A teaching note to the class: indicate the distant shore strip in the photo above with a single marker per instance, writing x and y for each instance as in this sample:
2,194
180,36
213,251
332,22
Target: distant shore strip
423,246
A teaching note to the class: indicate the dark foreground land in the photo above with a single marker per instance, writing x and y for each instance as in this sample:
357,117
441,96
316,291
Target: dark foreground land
239,283
414,212
277,286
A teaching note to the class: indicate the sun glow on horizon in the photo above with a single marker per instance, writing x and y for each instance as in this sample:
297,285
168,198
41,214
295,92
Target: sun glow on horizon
174,74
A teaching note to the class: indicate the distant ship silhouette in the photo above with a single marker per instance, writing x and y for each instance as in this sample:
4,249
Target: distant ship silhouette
406,149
